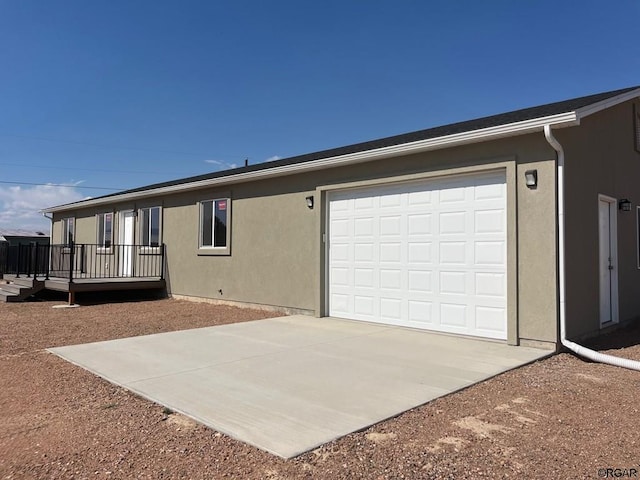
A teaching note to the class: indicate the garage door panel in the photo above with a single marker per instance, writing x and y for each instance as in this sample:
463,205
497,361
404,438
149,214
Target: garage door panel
420,252
453,315
421,312
490,253
452,223
490,221
420,281
489,318
488,284
420,224
363,277
364,252
453,253
428,255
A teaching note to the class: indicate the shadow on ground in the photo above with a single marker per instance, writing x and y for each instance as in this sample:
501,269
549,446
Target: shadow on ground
623,337
100,298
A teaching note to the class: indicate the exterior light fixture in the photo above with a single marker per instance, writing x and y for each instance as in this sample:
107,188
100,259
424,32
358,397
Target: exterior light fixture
531,178
624,205
309,200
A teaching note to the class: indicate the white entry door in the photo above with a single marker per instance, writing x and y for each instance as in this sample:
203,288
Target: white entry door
428,255
608,256
127,239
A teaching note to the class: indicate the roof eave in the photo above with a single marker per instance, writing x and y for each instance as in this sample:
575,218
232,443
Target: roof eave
566,119
608,103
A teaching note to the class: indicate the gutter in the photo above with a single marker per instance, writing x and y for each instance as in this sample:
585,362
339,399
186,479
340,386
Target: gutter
50,224
574,347
561,120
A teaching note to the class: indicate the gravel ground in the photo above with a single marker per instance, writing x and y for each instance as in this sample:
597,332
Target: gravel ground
557,418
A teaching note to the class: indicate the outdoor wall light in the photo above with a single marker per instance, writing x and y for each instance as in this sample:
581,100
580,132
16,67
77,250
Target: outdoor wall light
531,178
309,200
624,205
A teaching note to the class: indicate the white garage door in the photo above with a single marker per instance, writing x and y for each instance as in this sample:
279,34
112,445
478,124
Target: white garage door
430,255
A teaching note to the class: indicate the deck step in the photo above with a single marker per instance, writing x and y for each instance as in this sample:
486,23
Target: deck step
12,288
14,292
24,281
9,297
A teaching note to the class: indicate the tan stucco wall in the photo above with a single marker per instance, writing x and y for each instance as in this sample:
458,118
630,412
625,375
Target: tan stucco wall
600,159
537,231
277,252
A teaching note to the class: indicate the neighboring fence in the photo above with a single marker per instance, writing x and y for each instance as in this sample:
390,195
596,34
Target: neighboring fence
86,261
4,251
18,259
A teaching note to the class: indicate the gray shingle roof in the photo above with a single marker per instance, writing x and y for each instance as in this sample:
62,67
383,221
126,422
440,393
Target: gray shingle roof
445,130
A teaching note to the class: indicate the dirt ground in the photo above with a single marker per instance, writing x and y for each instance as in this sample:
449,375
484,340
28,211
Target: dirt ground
557,418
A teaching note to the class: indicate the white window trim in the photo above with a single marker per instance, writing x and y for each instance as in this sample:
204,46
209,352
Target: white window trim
65,233
99,248
211,250
148,249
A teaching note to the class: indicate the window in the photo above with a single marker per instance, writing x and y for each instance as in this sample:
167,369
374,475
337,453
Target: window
214,224
105,229
150,226
68,230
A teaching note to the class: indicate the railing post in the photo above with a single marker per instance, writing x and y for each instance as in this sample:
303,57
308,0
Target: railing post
34,251
82,266
29,260
48,249
72,248
18,260
162,262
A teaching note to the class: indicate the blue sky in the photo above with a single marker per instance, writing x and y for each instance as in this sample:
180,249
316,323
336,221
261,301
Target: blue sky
118,94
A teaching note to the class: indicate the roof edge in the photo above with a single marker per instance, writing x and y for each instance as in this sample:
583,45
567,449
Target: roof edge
566,119
608,103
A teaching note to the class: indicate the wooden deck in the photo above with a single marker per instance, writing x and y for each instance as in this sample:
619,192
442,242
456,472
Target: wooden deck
103,284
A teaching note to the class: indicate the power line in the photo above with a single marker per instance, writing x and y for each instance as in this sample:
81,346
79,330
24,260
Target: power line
106,170
59,185
75,142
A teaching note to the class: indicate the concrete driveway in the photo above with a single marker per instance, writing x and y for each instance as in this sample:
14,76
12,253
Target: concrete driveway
287,385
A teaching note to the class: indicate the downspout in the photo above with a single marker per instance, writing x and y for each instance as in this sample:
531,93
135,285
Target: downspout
50,225
574,347
50,243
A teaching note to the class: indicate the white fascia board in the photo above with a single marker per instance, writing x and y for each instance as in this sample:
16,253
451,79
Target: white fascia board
491,133
608,103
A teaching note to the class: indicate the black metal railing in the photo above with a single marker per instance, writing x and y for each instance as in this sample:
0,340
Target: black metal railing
86,261
26,259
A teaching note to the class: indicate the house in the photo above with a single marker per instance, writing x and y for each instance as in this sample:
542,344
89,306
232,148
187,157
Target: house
11,241
495,227
16,237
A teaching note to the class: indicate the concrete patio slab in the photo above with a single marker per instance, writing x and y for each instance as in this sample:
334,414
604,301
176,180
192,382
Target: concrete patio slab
287,385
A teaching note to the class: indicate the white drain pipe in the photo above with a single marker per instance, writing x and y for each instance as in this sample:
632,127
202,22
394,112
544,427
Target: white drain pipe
574,347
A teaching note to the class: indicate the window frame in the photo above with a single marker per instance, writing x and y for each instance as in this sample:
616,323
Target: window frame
149,249
65,230
212,249
101,246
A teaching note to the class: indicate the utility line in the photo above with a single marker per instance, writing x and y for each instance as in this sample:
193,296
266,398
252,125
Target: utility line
59,185
55,167
28,137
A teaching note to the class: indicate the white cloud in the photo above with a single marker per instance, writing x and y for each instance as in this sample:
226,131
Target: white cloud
20,206
221,164
273,158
